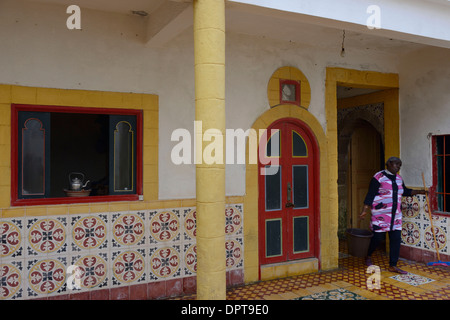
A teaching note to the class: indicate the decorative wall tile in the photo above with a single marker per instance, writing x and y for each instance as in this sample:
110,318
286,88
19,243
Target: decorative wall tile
46,276
11,280
90,271
441,239
128,229
165,226
46,235
190,258
11,238
190,224
234,253
89,232
128,267
165,262
411,233
233,220
411,207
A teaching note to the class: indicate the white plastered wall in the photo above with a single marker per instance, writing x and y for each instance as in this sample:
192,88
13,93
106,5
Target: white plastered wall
424,110
110,54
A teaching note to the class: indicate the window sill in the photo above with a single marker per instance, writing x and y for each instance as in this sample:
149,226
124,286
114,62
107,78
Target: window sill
73,200
441,213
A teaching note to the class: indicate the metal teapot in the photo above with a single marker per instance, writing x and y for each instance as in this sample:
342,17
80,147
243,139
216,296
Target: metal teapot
75,183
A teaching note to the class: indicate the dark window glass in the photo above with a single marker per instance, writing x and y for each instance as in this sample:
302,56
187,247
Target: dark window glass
298,146
273,189
33,158
442,158
273,143
123,157
301,234
54,145
273,238
300,186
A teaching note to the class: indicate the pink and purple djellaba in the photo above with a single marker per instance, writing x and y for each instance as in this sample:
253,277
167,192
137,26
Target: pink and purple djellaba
386,206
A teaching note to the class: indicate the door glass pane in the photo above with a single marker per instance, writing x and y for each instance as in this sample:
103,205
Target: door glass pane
300,186
298,146
273,144
123,157
273,237
273,188
301,235
33,158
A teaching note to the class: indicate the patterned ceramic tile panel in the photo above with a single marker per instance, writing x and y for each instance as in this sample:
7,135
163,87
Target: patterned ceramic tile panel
416,231
49,256
234,230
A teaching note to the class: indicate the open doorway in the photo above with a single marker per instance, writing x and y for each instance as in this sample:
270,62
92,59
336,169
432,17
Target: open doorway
382,93
364,158
360,155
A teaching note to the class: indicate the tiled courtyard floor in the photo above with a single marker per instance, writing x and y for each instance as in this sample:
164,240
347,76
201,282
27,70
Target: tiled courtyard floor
352,281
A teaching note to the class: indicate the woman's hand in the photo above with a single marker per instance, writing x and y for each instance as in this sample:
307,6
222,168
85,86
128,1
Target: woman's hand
364,212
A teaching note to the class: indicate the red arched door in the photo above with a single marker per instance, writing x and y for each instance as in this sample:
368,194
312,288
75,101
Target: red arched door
288,193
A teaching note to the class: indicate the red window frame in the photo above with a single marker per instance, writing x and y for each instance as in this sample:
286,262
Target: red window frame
15,108
433,192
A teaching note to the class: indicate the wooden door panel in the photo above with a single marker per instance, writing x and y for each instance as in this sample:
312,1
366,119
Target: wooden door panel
365,162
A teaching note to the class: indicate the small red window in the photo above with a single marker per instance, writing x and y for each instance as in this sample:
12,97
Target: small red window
441,174
289,92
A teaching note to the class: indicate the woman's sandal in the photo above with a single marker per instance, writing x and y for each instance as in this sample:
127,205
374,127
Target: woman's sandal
397,270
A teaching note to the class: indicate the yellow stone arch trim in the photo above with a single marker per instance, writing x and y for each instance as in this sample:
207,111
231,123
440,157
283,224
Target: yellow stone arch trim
288,73
251,260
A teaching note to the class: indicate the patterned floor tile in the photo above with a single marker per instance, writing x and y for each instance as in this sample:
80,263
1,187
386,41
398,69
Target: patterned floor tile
412,279
349,282
335,294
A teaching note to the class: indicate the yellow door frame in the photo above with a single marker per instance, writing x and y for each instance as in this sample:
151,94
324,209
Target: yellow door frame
388,83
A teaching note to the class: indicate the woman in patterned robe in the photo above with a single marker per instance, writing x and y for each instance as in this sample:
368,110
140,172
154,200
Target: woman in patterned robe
384,200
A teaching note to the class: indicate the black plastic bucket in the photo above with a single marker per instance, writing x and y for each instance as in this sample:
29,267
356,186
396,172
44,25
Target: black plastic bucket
358,241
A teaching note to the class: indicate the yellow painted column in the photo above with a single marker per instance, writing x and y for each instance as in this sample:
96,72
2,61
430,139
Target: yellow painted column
329,220
209,52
